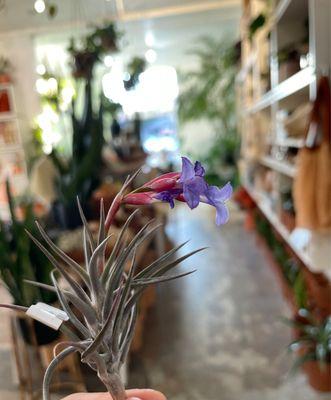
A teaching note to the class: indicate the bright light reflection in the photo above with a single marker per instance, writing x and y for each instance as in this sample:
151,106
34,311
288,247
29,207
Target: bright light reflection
151,56
156,91
108,61
157,144
39,6
41,69
149,39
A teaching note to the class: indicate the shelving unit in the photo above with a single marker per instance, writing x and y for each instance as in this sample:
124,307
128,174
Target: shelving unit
12,156
281,65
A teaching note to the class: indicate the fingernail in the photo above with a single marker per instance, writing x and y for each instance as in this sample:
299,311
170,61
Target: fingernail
134,398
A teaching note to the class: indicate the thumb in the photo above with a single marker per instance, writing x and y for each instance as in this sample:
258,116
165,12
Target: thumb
144,394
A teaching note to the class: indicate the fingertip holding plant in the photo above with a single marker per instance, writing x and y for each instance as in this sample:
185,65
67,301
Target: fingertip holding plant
101,297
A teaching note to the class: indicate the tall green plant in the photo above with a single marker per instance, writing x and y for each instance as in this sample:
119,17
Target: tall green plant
209,93
79,175
20,259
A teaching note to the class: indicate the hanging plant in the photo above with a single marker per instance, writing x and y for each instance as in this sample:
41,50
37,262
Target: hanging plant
103,40
135,67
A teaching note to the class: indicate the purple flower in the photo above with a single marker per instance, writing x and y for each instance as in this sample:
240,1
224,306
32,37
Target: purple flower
192,181
188,186
217,197
169,196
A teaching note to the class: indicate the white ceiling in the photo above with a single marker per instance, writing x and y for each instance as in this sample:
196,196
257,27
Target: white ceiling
19,15
173,26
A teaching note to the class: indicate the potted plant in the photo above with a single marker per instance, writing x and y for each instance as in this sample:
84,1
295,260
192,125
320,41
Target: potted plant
208,93
312,347
5,67
135,67
20,260
101,41
79,174
106,298
83,61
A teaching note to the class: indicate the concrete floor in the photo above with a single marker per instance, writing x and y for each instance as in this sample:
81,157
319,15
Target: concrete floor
214,335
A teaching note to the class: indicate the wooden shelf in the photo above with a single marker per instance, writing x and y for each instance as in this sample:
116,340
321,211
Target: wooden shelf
7,117
283,167
261,112
281,9
10,148
312,263
290,142
290,86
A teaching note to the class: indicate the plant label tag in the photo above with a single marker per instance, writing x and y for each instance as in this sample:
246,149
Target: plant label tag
53,310
44,317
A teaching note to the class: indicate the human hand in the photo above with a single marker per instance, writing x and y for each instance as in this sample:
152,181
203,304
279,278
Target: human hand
134,394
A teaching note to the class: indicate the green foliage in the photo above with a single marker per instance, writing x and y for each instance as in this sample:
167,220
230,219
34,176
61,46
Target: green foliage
288,264
300,292
135,67
209,93
5,65
92,47
314,339
79,175
20,259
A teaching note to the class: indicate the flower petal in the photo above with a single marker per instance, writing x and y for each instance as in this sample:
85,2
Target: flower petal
226,192
222,214
191,197
216,195
188,172
198,169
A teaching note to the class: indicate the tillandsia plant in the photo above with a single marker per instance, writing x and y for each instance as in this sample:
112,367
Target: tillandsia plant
313,339
105,292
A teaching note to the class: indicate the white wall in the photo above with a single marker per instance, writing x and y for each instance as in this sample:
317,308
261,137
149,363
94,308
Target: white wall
19,49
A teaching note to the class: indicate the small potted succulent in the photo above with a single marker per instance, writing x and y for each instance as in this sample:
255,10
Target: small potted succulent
101,310
313,349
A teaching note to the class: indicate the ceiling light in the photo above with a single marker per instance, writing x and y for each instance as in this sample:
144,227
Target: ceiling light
109,61
149,39
39,6
41,69
151,56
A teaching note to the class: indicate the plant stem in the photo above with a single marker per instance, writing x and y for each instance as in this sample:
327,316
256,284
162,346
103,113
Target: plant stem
114,385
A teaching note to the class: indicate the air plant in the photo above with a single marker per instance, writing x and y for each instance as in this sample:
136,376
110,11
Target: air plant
105,292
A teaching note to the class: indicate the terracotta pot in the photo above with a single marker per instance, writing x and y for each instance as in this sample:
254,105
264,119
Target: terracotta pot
288,220
319,378
4,78
249,223
4,102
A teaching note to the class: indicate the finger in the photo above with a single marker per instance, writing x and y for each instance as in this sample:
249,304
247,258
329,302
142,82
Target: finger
134,394
144,394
